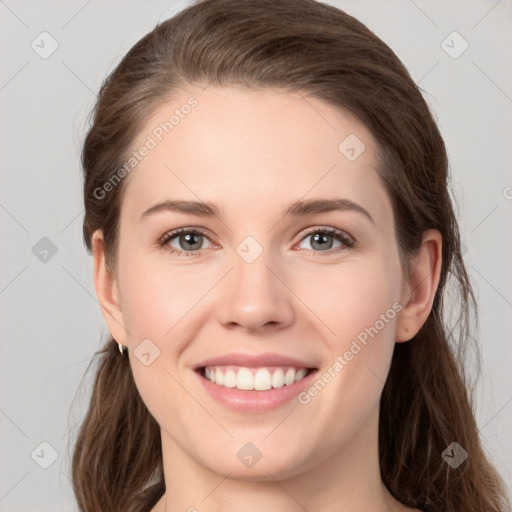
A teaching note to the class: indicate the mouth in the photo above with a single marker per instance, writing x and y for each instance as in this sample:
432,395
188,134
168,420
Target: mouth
246,378
254,383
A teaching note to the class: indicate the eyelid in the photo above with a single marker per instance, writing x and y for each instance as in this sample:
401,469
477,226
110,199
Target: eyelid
347,240
189,230
350,240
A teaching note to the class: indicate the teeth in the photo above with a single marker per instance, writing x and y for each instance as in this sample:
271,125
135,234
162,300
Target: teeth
300,374
244,379
278,378
230,379
262,380
259,379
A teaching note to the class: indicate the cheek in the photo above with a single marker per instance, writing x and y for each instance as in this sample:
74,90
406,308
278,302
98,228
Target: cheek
157,305
361,310
155,297
160,304
348,300
343,302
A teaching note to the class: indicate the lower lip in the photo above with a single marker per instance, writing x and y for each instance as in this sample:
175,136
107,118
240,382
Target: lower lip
255,401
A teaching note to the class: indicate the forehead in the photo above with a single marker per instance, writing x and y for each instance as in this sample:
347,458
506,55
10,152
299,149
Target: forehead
237,147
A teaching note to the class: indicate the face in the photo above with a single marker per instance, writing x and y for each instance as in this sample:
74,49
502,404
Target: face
271,281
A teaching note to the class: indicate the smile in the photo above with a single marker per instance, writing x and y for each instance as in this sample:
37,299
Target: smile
258,379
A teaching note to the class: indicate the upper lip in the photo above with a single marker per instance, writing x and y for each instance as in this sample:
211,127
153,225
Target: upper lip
254,361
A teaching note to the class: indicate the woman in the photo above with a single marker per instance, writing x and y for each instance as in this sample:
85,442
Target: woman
266,202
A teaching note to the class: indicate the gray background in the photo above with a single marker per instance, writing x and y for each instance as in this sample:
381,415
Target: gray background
51,322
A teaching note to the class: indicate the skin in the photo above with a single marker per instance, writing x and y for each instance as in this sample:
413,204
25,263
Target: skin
253,153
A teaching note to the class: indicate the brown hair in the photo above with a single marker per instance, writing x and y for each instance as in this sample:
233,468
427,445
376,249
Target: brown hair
318,50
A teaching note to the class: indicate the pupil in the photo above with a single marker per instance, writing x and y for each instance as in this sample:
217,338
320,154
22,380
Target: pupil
189,238
321,236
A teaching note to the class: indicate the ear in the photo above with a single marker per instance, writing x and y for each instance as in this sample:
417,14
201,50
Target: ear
107,290
420,289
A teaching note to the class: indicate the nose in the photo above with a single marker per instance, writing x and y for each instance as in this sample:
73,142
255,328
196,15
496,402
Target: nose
255,296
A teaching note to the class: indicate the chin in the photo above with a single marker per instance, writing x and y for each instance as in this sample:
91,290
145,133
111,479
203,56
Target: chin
247,466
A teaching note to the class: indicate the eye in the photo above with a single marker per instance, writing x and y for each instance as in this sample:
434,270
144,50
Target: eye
190,240
322,241
185,239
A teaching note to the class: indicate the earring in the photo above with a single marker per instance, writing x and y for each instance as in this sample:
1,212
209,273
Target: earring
121,349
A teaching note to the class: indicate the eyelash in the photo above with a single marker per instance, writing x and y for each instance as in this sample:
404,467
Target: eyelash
338,235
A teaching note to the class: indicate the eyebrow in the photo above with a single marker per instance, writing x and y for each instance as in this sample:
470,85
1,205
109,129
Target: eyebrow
296,209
